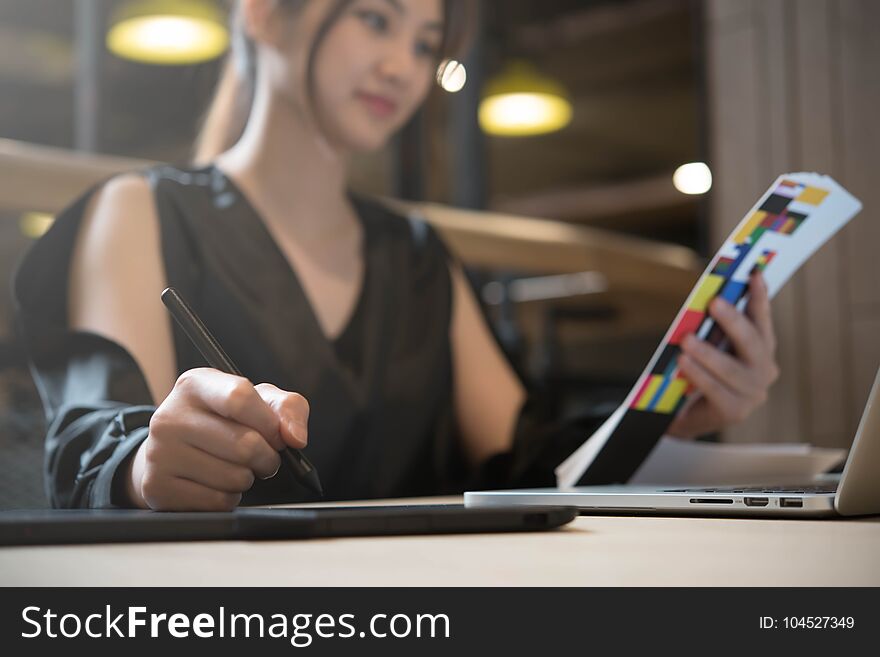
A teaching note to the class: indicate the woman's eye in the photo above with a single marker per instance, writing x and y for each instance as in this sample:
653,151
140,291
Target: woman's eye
374,20
427,49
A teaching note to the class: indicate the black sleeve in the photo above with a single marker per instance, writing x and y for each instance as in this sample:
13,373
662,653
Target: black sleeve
539,446
95,397
86,449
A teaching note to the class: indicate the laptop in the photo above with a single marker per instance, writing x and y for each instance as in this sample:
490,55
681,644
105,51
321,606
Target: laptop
855,492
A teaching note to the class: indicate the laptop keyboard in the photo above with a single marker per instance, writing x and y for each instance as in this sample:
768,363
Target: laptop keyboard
826,487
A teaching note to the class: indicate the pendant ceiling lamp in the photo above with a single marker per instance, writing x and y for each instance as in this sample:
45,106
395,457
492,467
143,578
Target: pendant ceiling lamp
169,32
521,102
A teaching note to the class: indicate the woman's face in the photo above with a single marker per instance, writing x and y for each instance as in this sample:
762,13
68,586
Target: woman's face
373,68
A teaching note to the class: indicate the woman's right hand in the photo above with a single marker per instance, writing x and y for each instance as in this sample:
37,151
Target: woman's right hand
210,438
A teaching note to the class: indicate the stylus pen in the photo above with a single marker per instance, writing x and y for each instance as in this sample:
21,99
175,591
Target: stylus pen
207,344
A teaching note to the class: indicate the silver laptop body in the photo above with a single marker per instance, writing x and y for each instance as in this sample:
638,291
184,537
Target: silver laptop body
856,492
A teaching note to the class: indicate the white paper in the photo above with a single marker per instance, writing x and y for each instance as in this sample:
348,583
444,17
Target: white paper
688,463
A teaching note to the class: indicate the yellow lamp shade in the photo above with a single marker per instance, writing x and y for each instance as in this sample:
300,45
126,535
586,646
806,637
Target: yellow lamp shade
521,102
168,32
35,224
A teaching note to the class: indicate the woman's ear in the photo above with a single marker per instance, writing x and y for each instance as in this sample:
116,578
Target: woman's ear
260,20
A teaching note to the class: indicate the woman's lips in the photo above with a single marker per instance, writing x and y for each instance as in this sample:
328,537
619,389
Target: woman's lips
379,106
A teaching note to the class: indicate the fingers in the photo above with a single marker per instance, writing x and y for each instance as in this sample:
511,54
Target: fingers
292,410
231,442
174,494
212,436
759,309
732,386
744,335
698,417
230,396
755,344
730,406
721,365
202,468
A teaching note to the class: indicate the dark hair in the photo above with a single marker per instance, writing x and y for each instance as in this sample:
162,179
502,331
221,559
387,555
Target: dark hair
227,115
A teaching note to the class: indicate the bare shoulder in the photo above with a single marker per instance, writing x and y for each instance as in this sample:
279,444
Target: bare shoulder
117,255
119,238
119,217
117,274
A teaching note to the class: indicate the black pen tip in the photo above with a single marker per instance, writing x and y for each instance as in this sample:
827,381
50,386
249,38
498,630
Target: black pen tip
303,470
314,483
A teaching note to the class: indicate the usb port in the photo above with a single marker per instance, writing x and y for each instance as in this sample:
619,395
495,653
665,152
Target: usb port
791,502
756,501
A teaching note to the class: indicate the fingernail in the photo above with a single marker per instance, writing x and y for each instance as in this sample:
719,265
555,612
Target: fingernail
298,432
278,467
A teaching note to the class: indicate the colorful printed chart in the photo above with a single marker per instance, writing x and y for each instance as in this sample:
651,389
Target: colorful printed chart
796,215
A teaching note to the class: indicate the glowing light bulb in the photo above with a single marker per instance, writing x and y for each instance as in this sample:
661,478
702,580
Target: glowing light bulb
452,76
692,178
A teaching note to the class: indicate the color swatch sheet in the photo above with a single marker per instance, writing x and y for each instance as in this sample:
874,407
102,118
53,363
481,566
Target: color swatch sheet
797,215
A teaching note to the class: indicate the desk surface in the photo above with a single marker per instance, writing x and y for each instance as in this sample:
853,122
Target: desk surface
591,551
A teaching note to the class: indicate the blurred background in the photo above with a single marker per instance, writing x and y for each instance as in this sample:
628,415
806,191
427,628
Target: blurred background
584,161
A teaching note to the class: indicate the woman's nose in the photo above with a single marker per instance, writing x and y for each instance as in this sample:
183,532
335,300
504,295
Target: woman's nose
398,63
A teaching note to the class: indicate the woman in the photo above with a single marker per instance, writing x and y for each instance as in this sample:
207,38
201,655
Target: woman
365,325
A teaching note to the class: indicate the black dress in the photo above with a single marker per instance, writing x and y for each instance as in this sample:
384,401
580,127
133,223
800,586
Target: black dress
381,422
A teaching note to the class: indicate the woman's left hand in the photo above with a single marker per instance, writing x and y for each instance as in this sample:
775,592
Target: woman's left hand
729,387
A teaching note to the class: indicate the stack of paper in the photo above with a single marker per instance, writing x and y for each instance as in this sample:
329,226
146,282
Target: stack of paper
679,462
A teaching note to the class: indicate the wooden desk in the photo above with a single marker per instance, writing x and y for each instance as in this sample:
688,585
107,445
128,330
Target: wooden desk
591,551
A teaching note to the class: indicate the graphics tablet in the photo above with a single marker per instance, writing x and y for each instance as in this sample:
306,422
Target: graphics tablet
64,526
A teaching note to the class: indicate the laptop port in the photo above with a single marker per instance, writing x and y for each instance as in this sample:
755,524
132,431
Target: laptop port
756,501
791,502
711,500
